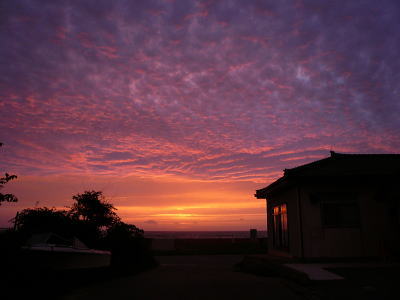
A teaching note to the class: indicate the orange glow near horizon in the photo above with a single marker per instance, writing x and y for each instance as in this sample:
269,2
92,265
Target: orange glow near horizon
222,216
153,204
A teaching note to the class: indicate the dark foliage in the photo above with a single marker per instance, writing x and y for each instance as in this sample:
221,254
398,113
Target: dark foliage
92,208
43,219
122,231
93,221
3,180
92,217
130,250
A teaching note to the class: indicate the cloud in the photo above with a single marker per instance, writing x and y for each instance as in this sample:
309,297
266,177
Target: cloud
223,91
152,222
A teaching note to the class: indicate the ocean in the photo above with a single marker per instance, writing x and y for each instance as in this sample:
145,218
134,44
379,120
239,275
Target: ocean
201,234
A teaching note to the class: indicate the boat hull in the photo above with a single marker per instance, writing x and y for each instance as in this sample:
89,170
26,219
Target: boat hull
60,259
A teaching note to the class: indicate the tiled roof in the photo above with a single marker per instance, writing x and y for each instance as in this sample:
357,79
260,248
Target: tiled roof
338,165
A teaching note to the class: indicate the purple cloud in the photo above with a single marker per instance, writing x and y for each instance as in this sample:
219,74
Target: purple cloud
205,89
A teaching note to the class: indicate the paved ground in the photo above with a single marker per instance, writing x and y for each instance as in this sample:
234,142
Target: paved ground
190,277
315,271
318,271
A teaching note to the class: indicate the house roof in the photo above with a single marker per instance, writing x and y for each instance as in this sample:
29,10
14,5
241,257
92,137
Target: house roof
338,165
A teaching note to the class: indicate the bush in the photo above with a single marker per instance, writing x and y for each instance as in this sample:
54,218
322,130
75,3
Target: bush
130,250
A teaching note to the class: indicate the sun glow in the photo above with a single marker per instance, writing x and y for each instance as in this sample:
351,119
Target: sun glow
175,215
220,215
179,204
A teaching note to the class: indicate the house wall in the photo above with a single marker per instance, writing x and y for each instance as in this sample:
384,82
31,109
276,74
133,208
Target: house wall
377,234
365,240
288,197
380,219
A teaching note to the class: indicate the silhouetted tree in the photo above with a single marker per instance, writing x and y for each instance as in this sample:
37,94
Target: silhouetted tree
94,221
38,220
3,180
130,251
121,231
92,216
92,208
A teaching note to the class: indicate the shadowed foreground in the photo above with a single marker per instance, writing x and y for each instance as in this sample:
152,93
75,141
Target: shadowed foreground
189,277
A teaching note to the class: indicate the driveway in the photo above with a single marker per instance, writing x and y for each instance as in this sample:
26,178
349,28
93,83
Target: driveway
190,277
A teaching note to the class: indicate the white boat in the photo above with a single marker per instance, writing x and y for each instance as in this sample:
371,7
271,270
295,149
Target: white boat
50,250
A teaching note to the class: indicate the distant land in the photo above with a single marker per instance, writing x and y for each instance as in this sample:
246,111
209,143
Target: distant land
201,234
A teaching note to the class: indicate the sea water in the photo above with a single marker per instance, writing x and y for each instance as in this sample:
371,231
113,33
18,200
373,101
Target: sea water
201,234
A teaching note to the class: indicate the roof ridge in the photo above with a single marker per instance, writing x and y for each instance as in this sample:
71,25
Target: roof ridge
381,164
336,155
313,163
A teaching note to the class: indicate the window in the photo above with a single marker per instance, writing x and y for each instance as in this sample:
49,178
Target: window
340,214
280,227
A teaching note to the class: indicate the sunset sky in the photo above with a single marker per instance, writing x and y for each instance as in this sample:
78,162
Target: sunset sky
179,110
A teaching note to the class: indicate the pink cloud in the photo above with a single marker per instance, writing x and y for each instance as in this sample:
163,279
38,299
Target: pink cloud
223,91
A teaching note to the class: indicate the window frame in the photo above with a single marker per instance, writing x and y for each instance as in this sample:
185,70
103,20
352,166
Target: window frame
280,226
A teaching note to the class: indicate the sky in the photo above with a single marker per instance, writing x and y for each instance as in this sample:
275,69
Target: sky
179,110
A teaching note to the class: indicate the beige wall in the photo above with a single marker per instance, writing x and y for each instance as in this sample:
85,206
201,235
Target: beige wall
366,240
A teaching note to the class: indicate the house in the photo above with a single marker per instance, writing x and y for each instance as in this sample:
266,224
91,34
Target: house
345,205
